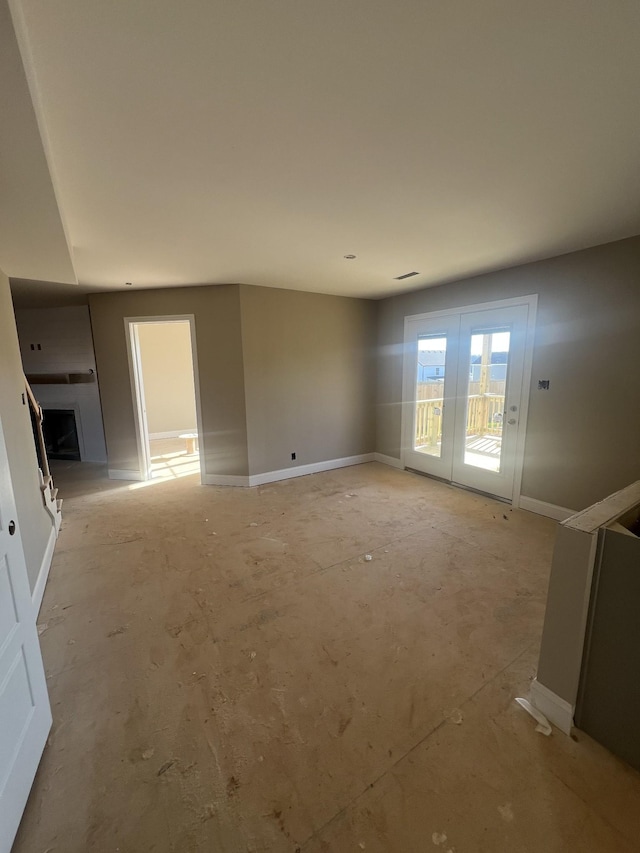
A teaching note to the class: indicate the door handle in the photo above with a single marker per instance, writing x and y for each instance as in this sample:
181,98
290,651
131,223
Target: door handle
511,421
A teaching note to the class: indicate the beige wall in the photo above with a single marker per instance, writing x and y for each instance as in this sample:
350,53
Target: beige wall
309,377
292,371
34,522
219,348
582,434
167,371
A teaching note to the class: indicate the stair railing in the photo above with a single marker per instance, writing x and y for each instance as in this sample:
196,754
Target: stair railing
38,414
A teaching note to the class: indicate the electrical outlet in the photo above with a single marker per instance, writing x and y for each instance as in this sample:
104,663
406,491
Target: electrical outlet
293,457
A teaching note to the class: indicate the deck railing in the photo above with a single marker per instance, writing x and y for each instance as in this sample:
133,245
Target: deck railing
485,413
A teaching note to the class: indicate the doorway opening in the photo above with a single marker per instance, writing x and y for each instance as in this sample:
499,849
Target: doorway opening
466,390
164,373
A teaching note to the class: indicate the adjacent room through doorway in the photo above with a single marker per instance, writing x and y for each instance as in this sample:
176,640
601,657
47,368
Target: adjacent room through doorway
164,381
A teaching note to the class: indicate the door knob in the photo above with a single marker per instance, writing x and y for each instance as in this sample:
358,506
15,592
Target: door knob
511,421
12,527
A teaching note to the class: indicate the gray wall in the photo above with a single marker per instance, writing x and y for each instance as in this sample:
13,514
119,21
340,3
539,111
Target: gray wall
34,522
219,345
582,434
309,377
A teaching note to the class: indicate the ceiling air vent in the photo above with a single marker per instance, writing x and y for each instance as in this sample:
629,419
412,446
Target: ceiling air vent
406,275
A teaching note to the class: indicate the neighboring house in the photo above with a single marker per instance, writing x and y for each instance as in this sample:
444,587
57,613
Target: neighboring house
498,371
431,365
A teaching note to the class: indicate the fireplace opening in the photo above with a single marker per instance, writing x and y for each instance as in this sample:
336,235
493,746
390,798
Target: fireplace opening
61,434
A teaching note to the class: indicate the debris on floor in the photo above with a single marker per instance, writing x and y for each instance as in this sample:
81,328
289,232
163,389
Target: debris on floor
506,812
544,727
368,557
210,748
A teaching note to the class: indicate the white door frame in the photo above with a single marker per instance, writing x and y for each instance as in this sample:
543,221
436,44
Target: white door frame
137,386
408,377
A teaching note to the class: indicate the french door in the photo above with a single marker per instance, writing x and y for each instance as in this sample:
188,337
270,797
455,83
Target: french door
466,379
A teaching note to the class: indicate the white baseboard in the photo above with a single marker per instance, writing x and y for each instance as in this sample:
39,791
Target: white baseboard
117,474
558,711
559,513
172,433
43,574
285,473
313,468
388,460
225,480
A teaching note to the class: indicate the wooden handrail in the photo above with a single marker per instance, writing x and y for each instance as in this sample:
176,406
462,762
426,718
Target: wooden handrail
35,405
39,417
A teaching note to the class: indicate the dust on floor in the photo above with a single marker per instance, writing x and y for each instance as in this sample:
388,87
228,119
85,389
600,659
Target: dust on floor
229,673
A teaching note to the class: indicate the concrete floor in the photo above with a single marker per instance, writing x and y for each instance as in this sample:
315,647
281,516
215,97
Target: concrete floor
228,673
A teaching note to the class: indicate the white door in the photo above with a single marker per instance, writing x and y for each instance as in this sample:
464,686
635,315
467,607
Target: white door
25,715
465,375
432,346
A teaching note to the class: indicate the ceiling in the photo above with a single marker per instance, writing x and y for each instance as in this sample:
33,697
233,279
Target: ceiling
208,141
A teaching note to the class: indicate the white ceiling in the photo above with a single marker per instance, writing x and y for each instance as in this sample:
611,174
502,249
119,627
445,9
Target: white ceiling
215,141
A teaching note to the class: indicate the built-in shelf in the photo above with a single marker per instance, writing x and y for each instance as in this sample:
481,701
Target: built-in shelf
61,378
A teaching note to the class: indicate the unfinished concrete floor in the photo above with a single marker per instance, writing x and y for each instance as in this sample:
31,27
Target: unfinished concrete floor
228,674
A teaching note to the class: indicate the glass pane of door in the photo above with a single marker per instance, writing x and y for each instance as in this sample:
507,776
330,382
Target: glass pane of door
427,435
486,388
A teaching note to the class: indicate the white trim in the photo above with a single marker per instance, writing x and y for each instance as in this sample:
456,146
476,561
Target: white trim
225,480
43,574
117,474
172,433
525,395
313,468
530,299
391,461
286,473
559,513
557,710
137,393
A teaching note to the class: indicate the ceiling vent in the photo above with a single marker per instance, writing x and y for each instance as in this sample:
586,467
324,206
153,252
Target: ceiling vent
406,275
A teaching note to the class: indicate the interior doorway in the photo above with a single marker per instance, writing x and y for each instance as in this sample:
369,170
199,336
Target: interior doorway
164,373
466,391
